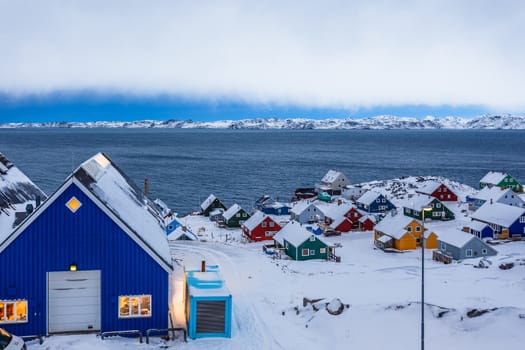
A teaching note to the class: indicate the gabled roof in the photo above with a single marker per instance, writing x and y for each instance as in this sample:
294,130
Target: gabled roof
368,217
295,234
477,225
493,177
419,201
455,237
369,197
256,219
498,213
112,191
335,210
16,191
331,176
208,201
182,231
234,209
394,226
301,206
495,193
430,186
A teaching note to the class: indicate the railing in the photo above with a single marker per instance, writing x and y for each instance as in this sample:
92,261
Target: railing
166,330
129,332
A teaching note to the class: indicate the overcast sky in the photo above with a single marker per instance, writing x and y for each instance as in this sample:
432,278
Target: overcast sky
310,54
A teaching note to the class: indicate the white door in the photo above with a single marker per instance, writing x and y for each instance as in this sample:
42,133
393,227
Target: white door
73,301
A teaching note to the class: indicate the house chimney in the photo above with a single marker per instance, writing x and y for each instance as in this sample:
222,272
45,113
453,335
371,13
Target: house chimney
203,266
146,186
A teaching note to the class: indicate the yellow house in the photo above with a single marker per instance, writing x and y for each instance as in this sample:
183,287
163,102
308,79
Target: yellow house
402,233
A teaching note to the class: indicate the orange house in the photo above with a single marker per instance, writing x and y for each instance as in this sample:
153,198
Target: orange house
402,233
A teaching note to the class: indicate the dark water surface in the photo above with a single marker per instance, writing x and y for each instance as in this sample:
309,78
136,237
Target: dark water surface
185,166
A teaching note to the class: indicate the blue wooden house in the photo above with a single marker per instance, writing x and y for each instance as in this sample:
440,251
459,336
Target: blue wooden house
374,202
208,304
480,229
508,222
93,257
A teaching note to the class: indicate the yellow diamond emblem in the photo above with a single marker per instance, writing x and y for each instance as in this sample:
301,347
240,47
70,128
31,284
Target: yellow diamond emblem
73,204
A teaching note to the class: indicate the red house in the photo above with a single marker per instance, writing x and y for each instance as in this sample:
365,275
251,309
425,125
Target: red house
367,223
354,215
260,227
342,224
438,190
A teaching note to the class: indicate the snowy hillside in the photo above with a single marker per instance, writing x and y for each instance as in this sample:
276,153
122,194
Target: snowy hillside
380,122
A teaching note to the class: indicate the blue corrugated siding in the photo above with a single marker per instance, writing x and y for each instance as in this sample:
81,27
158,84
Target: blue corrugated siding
93,241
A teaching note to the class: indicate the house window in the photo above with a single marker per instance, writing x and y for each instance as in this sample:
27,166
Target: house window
134,306
268,233
312,238
322,250
418,228
409,228
312,252
263,224
378,200
271,224
438,205
238,215
522,219
244,215
442,246
448,196
384,200
484,251
73,204
468,253
170,227
13,311
306,252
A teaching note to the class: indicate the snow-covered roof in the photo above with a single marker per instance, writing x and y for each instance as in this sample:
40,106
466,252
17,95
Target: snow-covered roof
301,206
331,176
384,239
181,231
394,226
477,225
455,237
338,220
498,213
208,283
216,211
335,210
429,187
234,209
494,193
255,220
418,201
118,192
368,197
16,191
367,217
295,234
208,201
493,177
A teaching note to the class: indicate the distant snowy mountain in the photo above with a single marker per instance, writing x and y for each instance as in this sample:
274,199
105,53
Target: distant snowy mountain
506,122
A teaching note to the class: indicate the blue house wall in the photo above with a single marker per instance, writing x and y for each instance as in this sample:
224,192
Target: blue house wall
517,228
93,241
374,207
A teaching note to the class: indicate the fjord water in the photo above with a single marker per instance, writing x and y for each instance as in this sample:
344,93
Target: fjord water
185,165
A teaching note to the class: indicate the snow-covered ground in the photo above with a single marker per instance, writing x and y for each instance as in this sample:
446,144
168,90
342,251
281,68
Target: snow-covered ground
382,291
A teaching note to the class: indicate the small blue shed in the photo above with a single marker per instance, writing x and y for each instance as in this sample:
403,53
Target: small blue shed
93,257
208,304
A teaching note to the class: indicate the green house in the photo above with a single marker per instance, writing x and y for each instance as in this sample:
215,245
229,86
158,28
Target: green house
210,204
501,180
235,216
413,208
300,244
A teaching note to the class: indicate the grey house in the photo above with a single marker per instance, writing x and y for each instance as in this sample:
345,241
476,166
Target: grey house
462,245
306,212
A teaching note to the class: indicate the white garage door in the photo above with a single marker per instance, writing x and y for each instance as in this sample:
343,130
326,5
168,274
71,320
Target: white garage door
73,301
